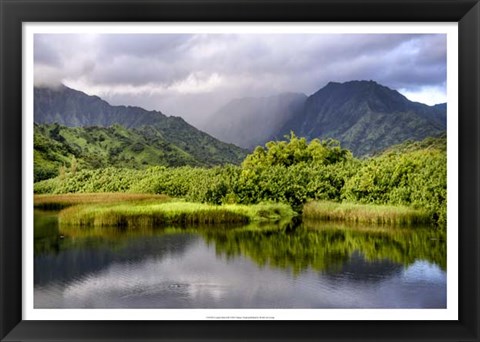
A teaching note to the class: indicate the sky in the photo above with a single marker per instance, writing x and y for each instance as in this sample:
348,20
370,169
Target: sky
192,75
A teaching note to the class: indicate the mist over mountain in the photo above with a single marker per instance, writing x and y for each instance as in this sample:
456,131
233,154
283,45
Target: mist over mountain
363,115
247,122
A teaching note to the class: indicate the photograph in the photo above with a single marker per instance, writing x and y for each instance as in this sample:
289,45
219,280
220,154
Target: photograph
240,170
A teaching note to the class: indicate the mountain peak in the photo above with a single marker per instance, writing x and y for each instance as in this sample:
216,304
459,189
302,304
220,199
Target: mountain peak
363,94
354,83
365,116
71,107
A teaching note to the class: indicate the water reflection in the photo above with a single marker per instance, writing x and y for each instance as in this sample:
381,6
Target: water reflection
277,266
324,246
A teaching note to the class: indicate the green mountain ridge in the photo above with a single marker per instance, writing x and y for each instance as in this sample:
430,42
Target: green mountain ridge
131,136
94,147
364,116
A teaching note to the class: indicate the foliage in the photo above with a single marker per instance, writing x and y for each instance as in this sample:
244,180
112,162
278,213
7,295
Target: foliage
99,147
294,172
295,151
416,177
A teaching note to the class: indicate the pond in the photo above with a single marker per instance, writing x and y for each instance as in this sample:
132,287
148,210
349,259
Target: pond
306,265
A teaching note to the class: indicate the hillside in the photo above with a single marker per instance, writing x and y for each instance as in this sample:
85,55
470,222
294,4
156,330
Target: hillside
69,107
437,143
72,108
97,147
247,122
364,116
69,122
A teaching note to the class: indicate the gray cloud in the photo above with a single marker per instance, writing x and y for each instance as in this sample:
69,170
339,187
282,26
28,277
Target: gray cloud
192,75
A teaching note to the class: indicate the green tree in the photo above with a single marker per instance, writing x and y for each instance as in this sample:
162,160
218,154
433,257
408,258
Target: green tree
73,165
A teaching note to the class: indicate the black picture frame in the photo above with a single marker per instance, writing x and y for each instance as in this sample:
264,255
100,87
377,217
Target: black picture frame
14,12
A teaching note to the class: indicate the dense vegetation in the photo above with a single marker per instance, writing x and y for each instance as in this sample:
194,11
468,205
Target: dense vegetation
98,147
294,171
149,137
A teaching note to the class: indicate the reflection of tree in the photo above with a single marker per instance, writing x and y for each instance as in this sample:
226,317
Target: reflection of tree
75,251
46,233
81,256
328,248
72,252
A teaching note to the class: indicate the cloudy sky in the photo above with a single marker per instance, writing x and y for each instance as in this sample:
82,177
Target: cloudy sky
192,75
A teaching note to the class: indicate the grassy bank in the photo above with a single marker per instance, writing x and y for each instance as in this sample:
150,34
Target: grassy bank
137,214
365,213
57,202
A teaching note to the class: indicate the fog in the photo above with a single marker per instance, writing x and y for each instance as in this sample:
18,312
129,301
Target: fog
192,75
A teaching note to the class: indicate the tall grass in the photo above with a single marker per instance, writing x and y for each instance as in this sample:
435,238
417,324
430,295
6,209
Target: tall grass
365,213
138,214
57,202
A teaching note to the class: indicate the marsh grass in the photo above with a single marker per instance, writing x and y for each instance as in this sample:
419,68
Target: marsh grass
365,213
57,202
154,214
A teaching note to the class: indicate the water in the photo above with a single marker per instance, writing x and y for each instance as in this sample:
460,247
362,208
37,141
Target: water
315,265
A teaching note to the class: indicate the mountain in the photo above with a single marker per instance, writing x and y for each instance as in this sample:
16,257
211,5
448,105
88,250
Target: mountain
364,116
176,142
441,107
247,122
97,147
74,108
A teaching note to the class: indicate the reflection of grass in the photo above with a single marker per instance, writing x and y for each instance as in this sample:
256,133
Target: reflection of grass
365,213
137,214
55,202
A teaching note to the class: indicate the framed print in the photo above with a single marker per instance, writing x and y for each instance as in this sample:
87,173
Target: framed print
239,170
